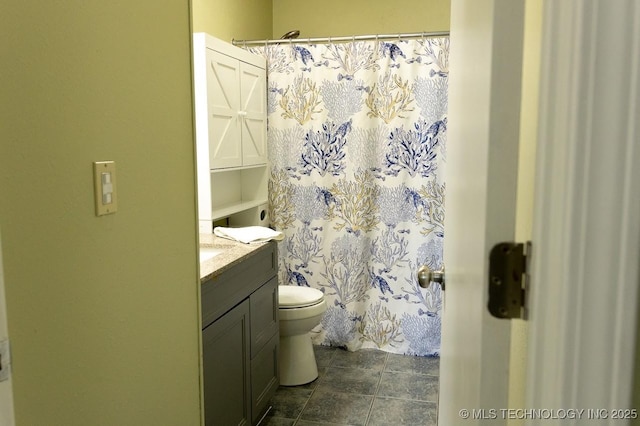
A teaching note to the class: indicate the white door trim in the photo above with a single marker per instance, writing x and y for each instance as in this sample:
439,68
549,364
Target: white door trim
481,175
587,214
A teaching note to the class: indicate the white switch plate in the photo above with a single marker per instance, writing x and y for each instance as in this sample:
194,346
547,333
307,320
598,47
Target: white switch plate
104,179
5,360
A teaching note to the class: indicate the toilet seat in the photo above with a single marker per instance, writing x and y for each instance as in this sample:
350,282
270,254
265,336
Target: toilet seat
293,296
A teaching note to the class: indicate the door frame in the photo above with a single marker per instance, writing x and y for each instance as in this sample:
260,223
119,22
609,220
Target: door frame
587,211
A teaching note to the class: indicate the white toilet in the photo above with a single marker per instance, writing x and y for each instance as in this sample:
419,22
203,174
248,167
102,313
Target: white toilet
300,310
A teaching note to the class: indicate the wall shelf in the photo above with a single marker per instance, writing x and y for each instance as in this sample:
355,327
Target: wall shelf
236,190
226,211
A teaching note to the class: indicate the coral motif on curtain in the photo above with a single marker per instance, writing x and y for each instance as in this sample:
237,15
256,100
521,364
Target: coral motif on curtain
357,145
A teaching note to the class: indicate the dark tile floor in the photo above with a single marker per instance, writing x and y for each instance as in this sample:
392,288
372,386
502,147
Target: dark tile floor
366,387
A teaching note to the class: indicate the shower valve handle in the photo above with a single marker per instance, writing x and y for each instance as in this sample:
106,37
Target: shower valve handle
426,276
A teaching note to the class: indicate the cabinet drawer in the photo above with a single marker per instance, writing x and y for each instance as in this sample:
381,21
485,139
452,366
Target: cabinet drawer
223,292
264,315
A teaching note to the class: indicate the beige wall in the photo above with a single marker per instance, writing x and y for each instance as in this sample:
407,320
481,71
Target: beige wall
233,19
102,311
359,17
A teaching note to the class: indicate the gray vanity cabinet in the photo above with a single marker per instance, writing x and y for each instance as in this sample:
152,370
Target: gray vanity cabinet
240,340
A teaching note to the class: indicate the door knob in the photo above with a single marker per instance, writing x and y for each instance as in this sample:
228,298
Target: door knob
426,276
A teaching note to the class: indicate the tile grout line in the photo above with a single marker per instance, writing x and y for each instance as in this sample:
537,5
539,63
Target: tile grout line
297,419
375,393
313,390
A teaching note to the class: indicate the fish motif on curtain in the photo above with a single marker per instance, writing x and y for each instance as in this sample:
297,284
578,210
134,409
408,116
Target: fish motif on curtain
357,149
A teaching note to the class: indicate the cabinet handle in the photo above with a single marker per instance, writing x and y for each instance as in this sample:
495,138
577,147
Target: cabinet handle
242,113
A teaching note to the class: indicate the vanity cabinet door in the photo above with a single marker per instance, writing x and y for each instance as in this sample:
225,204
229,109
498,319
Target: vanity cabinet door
227,369
265,342
264,377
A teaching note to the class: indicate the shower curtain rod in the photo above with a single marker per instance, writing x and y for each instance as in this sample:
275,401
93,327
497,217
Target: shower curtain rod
344,38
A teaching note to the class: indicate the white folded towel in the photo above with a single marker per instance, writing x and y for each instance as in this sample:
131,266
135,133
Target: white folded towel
249,234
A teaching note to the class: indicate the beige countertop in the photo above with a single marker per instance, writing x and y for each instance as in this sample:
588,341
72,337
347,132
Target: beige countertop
233,252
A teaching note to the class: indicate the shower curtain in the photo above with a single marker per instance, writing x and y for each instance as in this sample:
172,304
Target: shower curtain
357,146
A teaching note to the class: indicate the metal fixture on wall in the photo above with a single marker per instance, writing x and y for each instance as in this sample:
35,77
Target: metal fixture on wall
290,35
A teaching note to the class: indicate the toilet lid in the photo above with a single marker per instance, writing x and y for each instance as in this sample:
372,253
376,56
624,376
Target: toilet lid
293,296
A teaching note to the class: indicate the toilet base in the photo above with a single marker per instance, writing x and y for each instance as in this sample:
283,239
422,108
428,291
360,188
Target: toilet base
297,361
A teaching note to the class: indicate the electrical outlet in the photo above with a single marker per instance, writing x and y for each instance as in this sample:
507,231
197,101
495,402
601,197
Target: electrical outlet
5,360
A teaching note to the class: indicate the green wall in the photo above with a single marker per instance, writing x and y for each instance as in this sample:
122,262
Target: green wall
359,17
102,311
259,19
233,19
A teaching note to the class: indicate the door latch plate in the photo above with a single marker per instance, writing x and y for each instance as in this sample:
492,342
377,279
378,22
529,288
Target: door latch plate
507,283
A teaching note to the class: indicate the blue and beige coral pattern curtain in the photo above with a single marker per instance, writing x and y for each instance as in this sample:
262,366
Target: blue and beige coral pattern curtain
357,145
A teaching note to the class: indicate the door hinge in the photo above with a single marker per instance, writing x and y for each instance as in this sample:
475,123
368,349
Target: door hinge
508,279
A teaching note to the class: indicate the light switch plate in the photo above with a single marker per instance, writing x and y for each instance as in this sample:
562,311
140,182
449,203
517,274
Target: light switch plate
104,179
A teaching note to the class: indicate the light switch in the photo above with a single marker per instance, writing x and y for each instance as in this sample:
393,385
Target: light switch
107,188
104,177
